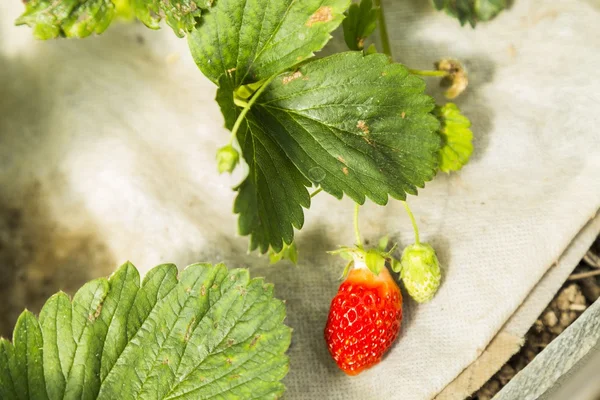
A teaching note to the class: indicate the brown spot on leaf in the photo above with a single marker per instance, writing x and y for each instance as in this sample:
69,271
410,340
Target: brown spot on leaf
203,290
166,361
362,125
345,170
188,331
323,14
288,78
235,376
188,290
230,70
229,361
230,342
403,115
341,159
254,340
94,316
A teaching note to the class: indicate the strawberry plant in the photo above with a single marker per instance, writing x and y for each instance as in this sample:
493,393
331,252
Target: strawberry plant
354,123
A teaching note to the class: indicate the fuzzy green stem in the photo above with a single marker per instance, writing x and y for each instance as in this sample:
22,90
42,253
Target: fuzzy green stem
356,230
316,192
412,220
240,118
427,73
383,33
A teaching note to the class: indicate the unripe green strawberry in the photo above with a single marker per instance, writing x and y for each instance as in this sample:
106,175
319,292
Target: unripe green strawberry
227,159
420,271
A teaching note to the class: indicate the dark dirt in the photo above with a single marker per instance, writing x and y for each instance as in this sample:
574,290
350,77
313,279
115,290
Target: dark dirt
581,290
39,257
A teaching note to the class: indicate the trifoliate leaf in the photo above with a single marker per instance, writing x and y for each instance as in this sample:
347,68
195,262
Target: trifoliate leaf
360,22
67,18
471,11
181,15
209,334
457,138
349,123
289,252
253,40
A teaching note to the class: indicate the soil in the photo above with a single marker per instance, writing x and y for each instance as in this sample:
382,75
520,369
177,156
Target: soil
577,293
40,256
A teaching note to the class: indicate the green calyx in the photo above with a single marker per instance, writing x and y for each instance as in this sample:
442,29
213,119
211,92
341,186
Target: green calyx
373,259
420,271
227,158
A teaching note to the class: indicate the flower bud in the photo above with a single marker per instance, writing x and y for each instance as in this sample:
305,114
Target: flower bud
227,159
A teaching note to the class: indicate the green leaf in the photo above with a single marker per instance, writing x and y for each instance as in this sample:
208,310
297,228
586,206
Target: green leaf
181,15
67,18
271,197
488,9
362,121
255,39
457,138
360,22
212,333
289,252
349,123
471,11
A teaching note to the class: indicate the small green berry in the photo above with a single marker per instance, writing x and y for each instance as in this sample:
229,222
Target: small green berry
420,271
227,159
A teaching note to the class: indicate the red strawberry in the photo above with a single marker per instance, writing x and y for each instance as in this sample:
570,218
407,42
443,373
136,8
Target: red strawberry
364,318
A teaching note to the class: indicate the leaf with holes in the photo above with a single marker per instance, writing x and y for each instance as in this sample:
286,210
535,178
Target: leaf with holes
352,124
211,333
457,138
69,18
181,15
255,39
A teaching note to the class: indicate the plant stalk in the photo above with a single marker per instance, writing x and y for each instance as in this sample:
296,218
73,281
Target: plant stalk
412,220
240,118
356,230
428,73
383,33
316,192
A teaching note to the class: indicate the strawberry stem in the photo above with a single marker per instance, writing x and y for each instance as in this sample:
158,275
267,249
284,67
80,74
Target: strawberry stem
412,220
240,118
316,192
356,230
383,34
428,73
